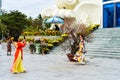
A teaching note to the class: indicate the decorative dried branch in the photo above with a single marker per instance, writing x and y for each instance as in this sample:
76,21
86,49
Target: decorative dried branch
74,31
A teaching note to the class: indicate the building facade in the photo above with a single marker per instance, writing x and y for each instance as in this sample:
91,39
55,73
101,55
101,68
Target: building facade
103,12
111,13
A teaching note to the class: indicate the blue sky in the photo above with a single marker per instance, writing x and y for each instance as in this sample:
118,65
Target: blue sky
29,7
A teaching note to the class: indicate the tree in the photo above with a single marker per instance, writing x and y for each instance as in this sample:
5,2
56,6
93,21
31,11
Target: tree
3,30
15,22
38,22
46,25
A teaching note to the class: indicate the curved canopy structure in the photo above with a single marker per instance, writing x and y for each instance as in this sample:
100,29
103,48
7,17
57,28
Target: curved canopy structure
63,13
68,4
88,11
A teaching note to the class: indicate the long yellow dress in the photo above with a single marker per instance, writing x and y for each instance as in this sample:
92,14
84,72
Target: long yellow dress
79,56
17,65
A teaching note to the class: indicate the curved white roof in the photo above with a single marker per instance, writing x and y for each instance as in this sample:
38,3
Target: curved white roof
63,13
68,4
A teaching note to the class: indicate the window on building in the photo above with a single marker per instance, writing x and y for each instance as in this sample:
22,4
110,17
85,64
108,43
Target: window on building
108,15
118,14
106,0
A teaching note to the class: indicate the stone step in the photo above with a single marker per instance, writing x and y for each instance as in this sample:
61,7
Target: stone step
104,51
103,47
107,32
104,56
97,53
105,39
105,43
106,46
108,43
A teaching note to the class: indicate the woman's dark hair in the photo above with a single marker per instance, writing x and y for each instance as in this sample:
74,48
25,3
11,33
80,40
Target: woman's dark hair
16,36
82,37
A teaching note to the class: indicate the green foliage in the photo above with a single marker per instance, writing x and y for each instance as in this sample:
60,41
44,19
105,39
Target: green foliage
30,32
86,31
15,22
32,46
46,25
3,30
30,29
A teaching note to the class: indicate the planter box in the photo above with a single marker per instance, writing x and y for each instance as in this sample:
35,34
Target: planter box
70,57
39,37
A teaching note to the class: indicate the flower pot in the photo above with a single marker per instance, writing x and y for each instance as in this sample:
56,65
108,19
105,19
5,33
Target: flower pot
31,51
70,57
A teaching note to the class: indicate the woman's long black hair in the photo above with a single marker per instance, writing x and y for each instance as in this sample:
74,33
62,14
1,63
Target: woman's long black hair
16,36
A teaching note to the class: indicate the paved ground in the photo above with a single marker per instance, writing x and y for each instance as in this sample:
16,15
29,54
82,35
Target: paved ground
55,66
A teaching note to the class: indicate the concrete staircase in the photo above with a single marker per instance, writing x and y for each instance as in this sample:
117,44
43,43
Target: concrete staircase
106,43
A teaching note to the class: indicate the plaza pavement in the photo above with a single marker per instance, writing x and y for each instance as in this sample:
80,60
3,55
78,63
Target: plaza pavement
56,66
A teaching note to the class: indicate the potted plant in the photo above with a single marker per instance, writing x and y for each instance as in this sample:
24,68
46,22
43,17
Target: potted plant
50,46
37,46
74,31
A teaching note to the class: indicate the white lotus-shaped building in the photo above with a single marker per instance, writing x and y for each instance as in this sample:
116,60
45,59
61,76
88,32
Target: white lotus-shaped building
84,11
